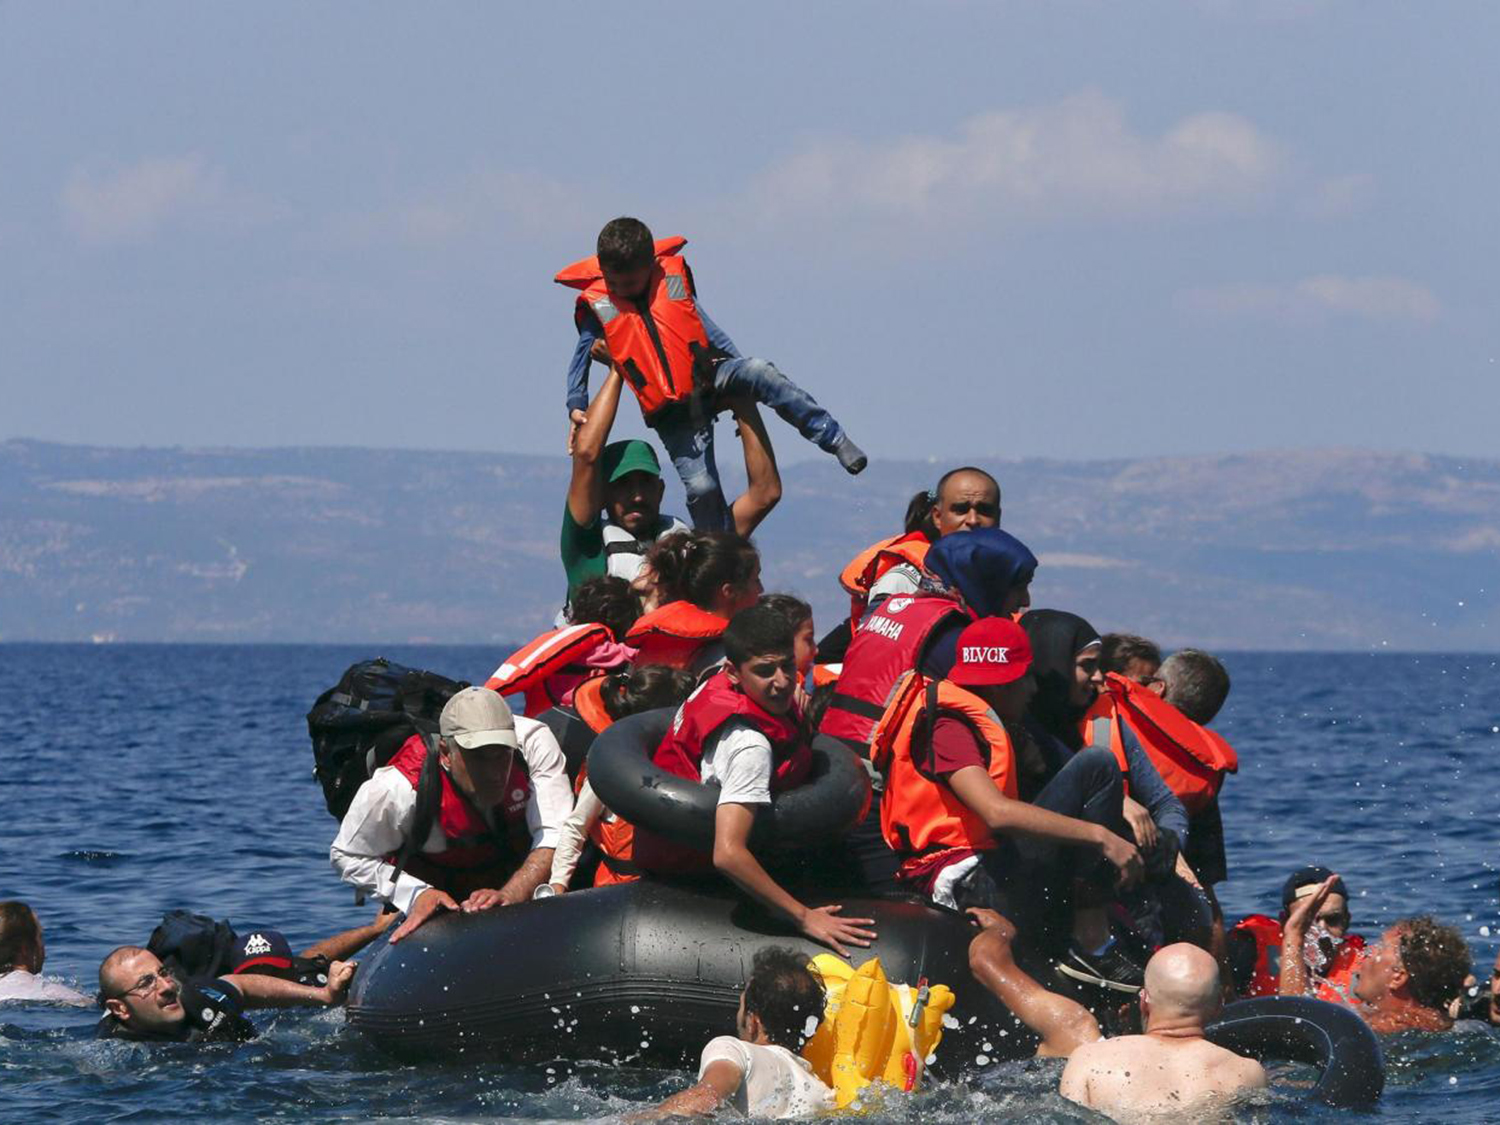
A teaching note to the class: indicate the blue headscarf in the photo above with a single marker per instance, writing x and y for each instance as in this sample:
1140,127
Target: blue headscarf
982,565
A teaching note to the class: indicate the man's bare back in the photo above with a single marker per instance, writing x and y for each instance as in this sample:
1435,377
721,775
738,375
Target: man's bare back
1138,1077
1172,1068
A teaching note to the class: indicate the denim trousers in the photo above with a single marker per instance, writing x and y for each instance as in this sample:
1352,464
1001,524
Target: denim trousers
686,430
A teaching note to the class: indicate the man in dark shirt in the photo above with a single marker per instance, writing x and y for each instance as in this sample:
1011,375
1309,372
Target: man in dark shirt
142,1000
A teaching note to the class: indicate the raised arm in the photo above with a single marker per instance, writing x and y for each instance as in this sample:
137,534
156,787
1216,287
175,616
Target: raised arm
763,487
586,488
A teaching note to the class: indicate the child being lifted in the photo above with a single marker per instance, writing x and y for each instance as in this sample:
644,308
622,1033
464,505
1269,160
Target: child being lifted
638,311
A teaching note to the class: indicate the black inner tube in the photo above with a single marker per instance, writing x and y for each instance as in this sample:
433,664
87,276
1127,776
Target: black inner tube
826,806
1302,1029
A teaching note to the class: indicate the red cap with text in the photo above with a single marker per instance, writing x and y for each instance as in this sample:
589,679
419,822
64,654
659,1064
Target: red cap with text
993,650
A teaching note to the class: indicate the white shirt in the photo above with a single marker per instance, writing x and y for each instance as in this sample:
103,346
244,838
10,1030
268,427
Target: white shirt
773,1083
18,985
381,814
587,811
903,578
739,758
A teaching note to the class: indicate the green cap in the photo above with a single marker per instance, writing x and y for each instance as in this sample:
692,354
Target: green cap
633,456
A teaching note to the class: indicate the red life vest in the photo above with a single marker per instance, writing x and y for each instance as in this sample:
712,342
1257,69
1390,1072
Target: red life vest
655,344
919,813
1191,759
1333,985
588,701
871,564
471,842
674,634
887,644
717,701
546,669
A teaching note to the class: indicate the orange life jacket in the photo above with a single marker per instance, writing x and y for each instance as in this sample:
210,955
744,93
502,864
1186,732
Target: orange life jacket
871,564
674,634
655,344
614,836
919,812
1191,759
1333,984
545,669
1101,726
716,701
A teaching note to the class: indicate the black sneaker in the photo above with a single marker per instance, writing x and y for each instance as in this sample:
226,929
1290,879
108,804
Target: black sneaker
1113,969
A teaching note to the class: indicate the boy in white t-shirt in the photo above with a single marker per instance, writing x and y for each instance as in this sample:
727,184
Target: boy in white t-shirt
757,1070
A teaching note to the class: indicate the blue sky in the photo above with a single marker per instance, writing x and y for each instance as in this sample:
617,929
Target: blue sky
1069,229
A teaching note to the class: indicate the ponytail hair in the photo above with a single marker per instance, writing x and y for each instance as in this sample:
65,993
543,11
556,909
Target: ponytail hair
644,689
919,515
693,565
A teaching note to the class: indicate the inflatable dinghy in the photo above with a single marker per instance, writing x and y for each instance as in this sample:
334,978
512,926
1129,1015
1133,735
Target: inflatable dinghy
640,973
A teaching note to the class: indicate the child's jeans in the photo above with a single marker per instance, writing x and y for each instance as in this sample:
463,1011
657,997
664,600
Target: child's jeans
686,430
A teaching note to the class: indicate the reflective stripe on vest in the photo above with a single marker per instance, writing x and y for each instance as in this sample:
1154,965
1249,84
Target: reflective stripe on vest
558,653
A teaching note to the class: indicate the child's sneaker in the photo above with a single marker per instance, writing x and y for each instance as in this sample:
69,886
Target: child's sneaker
851,456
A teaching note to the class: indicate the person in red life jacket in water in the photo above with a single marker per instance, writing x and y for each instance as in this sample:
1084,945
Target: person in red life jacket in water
1406,981
742,729
702,580
1331,952
493,790
964,499
624,479
638,297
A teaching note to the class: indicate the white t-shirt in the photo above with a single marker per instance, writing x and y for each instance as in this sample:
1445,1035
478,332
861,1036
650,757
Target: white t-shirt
739,758
382,812
774,1082
18,985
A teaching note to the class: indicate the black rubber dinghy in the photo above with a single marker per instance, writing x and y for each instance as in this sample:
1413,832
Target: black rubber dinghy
643,973
1301,1029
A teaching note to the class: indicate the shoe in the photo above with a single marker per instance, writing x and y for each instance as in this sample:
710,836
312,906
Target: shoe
851,456
1113,969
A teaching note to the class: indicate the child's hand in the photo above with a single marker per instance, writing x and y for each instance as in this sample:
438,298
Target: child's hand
599,353
576,420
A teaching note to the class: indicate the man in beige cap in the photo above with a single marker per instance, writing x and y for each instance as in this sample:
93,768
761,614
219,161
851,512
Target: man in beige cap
467,822
1172,1068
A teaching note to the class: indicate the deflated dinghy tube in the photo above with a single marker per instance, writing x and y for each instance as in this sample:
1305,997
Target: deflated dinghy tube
643,973
827,805
1302,1029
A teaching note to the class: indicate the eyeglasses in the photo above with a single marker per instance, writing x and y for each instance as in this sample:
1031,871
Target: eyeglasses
1339,919
147,985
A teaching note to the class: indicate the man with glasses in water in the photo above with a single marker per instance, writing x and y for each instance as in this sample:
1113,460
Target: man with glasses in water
142,1000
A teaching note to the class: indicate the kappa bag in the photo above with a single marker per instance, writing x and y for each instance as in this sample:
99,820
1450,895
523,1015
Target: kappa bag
358,725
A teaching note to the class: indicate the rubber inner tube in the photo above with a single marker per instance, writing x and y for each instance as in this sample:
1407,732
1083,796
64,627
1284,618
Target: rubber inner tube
1302,1029
833,799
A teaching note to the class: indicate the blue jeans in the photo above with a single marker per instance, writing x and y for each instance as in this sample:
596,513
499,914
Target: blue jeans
686,430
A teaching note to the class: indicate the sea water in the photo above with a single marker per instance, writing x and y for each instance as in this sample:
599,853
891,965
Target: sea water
137,778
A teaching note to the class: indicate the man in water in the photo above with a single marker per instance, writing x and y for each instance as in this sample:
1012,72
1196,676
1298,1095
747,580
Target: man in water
143,1000
758,1069
1404,982
22,954
1172,1068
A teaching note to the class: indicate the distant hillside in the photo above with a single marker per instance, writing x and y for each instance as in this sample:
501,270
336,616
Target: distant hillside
1317,550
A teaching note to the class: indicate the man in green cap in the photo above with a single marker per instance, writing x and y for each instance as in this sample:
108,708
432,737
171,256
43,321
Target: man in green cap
613,513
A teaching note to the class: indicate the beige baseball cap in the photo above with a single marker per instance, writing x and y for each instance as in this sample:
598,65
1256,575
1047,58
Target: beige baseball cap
477,716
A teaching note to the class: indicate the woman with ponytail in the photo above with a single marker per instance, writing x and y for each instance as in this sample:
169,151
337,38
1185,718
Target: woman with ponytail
702,580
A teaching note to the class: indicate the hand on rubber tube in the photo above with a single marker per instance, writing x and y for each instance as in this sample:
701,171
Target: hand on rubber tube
428,903
822,925
488,898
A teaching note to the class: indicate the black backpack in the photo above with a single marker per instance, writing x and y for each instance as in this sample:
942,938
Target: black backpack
358,725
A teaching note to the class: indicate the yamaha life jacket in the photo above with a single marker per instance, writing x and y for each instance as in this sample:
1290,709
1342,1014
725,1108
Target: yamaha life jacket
920,814
889,642
659,344
718,700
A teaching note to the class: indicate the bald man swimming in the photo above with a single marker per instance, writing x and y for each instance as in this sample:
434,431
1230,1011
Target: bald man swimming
1172,1067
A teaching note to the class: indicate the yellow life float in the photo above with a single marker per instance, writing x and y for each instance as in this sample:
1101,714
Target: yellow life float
873,1031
